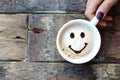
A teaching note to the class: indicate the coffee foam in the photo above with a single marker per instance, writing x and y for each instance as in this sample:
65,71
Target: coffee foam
77,43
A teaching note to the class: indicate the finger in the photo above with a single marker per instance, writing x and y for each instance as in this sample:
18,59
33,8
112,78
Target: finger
91,8
107,18
102,23
106,5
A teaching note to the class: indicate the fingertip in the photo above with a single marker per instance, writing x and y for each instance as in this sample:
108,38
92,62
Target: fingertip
89,15
100,15
102,23
108,18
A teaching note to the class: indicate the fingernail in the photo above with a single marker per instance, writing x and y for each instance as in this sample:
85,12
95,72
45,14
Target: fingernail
100,15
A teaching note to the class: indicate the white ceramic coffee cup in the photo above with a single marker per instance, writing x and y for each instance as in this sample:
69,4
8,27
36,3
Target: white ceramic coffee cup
78,41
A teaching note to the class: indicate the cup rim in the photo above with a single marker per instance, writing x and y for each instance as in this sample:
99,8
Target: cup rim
95,49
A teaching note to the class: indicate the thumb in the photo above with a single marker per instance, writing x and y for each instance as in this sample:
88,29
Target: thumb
106,6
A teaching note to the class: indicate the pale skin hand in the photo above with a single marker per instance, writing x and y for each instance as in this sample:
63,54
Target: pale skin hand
95,6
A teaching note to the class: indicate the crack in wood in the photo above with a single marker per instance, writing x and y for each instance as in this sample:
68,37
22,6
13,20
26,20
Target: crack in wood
36,30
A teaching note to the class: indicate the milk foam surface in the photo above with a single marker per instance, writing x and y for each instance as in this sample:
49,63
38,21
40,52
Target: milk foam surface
77,43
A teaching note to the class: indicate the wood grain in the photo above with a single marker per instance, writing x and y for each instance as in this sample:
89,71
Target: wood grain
47,6
28,30
110,48
42,46
58,71
13,36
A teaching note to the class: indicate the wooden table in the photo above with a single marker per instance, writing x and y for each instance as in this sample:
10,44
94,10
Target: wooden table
28,30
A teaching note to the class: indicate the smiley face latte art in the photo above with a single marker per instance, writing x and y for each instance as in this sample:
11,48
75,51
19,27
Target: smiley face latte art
82,35
76,41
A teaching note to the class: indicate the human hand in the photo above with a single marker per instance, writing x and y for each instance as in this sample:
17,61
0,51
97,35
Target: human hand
95,6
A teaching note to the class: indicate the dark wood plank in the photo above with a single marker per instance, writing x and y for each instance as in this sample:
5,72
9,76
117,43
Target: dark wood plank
13,36
42,45
58,71
47,6
110,48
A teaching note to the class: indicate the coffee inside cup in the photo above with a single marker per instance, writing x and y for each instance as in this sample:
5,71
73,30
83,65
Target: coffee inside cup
76,40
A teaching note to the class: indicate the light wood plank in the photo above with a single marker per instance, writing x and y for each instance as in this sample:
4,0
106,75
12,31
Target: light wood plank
13,36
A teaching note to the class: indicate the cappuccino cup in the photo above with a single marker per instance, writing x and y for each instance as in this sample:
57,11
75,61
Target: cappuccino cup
78,41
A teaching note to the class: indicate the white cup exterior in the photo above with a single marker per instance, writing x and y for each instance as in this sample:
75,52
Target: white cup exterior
94,49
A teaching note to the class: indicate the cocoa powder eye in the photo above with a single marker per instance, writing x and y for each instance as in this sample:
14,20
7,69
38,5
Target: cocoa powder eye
72,35
82,34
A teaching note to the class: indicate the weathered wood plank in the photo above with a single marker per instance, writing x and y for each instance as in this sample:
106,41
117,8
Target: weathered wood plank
41,5
47,6
58,71
13,36
42,46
